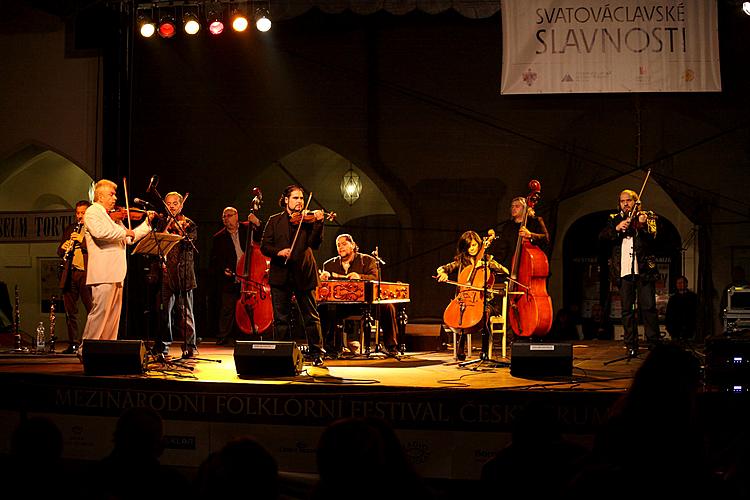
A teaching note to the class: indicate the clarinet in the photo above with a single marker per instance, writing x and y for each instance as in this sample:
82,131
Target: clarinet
52,318
67,257
17,324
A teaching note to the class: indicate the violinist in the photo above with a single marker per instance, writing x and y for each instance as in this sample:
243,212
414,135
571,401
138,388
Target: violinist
105,242
178,279
226,251
352,265
467,249
293,269
535,231
73,281
633,267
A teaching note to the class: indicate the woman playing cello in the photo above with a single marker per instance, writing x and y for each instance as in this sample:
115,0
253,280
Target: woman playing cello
469,260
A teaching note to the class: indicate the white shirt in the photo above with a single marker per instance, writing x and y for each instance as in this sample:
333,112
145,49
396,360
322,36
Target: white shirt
237,247
627,259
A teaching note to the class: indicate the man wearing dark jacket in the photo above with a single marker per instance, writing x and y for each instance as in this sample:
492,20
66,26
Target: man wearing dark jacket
633,267
293,268
73,280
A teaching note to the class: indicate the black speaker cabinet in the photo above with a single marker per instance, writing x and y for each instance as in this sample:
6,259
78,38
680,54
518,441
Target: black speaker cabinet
529,359
267,358
728,361
113,357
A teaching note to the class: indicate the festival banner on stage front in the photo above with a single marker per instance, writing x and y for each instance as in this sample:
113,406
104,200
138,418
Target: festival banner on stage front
566,46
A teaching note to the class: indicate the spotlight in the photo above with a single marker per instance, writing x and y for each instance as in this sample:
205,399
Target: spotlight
214,17
263,23
746,8
239,21
167,26
145,26
190,23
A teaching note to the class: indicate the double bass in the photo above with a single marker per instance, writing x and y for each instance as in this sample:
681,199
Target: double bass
466,309
530,311
254,309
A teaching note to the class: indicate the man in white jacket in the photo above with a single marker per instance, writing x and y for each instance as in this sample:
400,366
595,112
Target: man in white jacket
106,242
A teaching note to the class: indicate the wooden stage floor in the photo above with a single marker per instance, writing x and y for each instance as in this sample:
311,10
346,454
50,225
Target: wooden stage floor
451,419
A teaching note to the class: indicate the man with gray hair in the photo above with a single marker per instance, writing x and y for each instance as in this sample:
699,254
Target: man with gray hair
106,241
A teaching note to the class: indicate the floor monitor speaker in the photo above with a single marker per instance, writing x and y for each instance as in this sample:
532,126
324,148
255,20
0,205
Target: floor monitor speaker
113,357
529,359
267,358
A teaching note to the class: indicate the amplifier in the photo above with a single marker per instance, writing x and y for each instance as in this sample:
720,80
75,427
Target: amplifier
728,362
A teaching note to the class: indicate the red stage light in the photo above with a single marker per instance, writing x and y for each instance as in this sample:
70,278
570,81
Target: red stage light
216,27
167,27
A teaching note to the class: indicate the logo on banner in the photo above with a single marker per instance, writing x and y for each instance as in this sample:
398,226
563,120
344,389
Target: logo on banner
567,78
689,75
529,77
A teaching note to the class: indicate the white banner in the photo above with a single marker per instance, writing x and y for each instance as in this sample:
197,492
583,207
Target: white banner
559,46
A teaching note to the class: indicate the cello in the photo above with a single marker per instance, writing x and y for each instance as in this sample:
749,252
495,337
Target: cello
530,311
466,309
254,309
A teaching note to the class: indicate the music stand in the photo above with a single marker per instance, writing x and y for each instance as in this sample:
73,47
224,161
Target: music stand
158,244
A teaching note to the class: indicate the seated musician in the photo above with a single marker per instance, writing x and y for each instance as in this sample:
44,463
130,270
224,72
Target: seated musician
352,265
467,249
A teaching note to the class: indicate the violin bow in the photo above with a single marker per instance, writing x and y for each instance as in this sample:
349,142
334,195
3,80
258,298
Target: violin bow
648,174
127,204
304,211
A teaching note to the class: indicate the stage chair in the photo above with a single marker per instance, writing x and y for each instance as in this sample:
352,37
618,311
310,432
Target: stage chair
355,324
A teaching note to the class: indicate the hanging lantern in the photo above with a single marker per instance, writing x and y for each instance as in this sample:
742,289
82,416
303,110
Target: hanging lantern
351,186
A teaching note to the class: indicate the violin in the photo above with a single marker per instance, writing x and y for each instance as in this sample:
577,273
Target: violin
310,217
118,214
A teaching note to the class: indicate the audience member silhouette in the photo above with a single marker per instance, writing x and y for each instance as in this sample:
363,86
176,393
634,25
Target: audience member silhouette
682,309
362,458
651,441
598,325
35,457
242,465
516,470
132,469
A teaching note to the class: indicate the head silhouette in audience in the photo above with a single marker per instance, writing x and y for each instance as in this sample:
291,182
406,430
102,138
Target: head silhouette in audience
242,464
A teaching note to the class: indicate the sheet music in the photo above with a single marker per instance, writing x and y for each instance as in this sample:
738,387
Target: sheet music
156,243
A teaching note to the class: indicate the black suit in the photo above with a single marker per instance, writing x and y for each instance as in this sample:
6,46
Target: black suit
298,276
74,286
224,256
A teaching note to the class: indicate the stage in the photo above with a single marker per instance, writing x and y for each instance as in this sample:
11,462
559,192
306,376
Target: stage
451,419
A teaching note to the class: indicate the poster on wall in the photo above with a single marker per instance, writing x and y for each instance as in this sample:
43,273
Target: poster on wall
583,46
49,284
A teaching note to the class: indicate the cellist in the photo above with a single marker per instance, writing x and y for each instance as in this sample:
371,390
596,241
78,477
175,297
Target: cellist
467,249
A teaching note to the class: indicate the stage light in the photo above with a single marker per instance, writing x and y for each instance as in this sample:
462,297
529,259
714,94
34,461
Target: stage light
191,24
263,24
214,17
145,26
167,27
239,21
746,8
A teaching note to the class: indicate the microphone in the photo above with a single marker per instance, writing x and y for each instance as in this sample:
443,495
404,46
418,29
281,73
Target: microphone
375,254
152,183
139,201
